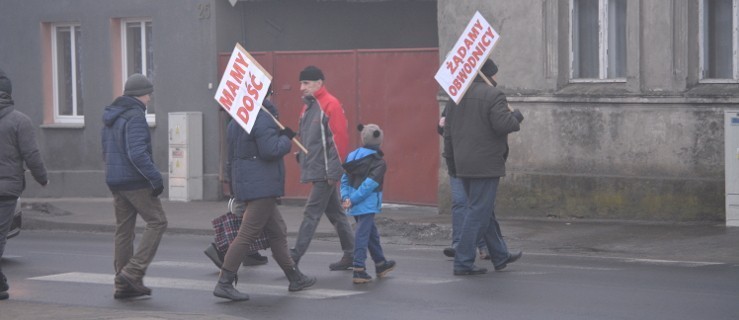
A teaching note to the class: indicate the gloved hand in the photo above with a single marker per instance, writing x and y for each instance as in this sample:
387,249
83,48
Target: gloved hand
518,115
157,191
451,168
288,132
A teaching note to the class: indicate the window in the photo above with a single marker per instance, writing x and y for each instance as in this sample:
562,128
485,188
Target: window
67,78
598,47
138,54
719,39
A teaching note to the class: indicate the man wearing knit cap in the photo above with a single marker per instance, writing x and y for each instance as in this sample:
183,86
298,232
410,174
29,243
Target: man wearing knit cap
136,184
18,146
323,132
476,148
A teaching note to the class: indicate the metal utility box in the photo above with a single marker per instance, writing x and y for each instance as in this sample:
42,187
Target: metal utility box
731,166
185,156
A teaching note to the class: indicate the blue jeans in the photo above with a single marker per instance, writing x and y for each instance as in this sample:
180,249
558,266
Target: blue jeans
366,238
480,221
7,208
459,202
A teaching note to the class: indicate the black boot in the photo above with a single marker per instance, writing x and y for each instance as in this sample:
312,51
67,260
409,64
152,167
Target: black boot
225,289
3,287
254,259
214,255
298,281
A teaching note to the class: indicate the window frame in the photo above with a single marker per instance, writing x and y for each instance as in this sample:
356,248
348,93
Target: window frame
603,57
59,118
150,116
702,49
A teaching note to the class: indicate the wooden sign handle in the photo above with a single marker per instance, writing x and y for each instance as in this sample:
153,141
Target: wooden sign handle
297,143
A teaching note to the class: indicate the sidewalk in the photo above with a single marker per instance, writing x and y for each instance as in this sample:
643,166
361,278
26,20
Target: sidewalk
415,225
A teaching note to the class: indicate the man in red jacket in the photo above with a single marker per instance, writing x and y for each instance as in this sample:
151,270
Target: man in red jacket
323,132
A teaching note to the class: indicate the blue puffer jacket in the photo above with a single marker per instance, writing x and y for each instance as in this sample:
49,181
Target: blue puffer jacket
362,182
127,147
255,167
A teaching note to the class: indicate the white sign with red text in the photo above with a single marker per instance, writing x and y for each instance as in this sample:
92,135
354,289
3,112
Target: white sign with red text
243,87
466,58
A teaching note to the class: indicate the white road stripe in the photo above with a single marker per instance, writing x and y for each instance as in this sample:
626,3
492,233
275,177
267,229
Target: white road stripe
177,283
401,278
185,265
633,260
568,266
419,280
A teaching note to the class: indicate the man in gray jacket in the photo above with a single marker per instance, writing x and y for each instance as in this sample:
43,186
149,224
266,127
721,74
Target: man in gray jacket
323,131
476,148
17,146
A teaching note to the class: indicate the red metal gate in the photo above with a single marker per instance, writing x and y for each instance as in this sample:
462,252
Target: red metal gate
393,88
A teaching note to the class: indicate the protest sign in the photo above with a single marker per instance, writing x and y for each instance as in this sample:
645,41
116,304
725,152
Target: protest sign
243,87
466,58
242,90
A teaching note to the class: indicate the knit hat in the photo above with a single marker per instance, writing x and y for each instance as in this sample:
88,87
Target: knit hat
5,84
489,69
371,134
311,73
138,85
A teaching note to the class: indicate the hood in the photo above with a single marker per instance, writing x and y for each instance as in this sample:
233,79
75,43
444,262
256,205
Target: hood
119,107
6,104
360,160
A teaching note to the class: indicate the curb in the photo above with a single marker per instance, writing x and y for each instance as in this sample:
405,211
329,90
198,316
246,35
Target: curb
31,223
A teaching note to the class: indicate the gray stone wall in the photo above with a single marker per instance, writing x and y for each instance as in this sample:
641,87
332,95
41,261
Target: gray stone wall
649,148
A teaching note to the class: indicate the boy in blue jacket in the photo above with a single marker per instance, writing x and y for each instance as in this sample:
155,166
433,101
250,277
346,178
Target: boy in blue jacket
361,194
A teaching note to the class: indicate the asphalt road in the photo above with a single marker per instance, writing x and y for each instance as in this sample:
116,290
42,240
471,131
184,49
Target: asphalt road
64,275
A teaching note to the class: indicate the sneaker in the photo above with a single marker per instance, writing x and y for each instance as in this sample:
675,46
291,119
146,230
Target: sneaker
470,272
361,276
450,252
511,259
254,259
384,268
4,295
345,263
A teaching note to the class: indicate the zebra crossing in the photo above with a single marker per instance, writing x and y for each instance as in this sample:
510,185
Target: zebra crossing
181,283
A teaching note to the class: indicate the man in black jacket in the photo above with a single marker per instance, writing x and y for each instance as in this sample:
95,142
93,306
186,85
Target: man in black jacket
476,148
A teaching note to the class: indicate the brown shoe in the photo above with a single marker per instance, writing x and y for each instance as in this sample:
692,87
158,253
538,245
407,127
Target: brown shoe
346,263
131,284
127,294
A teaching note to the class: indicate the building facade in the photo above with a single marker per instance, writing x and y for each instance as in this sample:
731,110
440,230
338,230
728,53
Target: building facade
623,102
69,59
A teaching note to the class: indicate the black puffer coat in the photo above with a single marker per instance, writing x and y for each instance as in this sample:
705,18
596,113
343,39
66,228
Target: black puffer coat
476,132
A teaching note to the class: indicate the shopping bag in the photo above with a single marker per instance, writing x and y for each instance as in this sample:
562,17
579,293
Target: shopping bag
227,227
